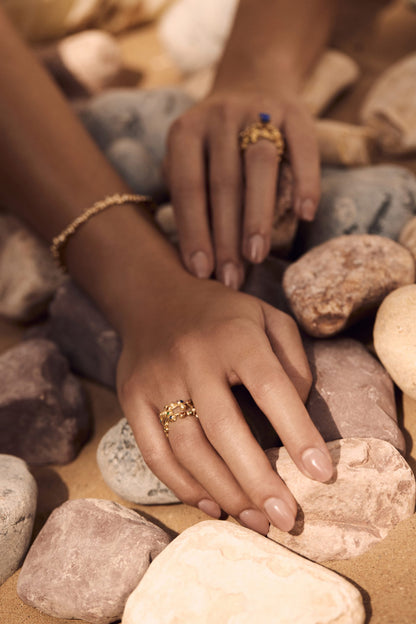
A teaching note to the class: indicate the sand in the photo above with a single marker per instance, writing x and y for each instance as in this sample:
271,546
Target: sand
376,34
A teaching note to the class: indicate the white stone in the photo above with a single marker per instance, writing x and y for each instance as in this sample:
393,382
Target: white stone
219,572
18,496
373,490
395,337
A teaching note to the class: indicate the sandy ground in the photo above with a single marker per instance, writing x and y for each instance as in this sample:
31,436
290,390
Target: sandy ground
375,33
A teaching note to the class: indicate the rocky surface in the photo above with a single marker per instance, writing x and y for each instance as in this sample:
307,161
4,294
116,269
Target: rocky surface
124,470
18,495
373,490
231,574
352,396
87,559
84,335
43,414
344,144
341,280
28,275
390,107
395,337
366,200
407,236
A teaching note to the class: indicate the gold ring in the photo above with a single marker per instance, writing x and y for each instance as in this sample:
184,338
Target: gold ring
175,410
262,129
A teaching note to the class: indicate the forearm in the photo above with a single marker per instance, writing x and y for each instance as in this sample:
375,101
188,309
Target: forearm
50,171
275,40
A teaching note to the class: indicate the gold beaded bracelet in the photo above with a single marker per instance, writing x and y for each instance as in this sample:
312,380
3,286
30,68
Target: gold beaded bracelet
59,241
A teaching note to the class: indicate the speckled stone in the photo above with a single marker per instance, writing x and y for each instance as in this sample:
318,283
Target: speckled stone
220,572
125,471
395,337
43,413
18,495
343,279
407,237
352,395
373,490
365,200
87,559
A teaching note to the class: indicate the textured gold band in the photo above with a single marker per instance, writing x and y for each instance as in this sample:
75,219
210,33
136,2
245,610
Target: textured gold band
175,410
58,242
262,130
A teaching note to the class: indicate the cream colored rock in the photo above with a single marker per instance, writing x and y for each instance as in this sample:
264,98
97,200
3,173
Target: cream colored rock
220,572
373,490
344,144
340,280
407,236
390,107
395,337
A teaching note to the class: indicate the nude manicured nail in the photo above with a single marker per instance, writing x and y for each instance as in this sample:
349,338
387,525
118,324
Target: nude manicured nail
256,247
279,514
255,520
200,265
317,464
307,210
210,508
230,275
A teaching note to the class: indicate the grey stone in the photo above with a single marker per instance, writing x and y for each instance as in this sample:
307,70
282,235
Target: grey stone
373,490
43,414
124,470
137,166
87,559
365,200
352,395
18,495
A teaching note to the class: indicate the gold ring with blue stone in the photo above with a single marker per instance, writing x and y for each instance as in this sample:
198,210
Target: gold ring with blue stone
175,410
262,129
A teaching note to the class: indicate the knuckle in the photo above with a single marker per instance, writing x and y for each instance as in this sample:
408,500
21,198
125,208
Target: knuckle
225,113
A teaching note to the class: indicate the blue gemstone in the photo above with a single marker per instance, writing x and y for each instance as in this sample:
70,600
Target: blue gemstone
264,117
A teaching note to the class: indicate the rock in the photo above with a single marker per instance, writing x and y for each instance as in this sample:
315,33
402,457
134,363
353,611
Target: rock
369,200
84,335
407,237
390,107
165,218
395,337
344,144
352,396
137,166
43,413
265,282
339,281
231,574
18,495
374,490
124,470
28,275
285,221
87,559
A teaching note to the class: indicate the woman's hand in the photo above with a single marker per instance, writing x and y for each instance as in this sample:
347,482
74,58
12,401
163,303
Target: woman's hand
224,199
207,339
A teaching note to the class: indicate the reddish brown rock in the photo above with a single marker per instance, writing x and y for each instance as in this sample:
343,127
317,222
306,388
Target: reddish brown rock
352,395
343,279
373,490
87,560
43,414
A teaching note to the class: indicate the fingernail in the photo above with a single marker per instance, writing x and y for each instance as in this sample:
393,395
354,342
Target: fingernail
210,508
256,247
200,265
253,519
230,275
317,464
279,514
307,210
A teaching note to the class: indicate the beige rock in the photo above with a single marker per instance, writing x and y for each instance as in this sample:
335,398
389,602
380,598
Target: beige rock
339,281
407,236
395,337
220,572
334,73
390,107
344,144
374,489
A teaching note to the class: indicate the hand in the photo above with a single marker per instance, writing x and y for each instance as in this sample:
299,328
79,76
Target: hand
224,200
207,339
